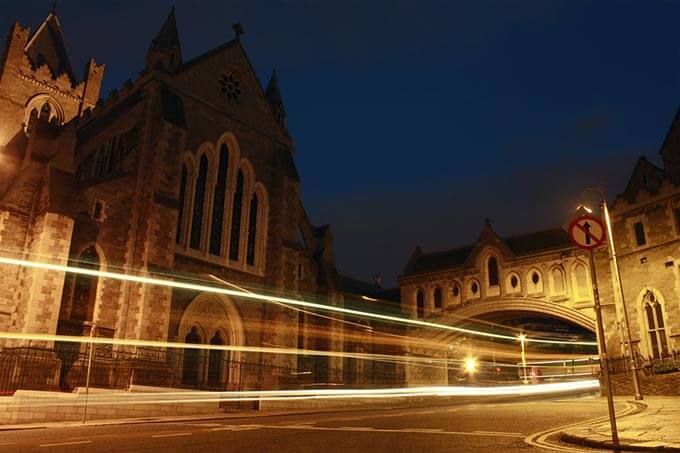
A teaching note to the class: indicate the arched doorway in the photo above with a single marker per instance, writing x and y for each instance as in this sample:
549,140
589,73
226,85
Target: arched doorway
212,320
191,359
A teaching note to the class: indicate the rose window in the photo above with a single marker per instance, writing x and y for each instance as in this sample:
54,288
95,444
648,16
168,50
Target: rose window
230,86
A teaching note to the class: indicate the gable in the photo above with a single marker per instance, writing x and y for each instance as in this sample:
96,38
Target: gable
645,177
224,78
47,46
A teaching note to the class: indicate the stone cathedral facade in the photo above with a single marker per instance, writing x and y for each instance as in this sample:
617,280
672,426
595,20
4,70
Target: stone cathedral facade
188,169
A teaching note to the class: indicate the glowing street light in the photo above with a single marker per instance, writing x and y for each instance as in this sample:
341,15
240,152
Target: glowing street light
470,365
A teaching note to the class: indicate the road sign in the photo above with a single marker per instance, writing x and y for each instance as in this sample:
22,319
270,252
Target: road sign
587,232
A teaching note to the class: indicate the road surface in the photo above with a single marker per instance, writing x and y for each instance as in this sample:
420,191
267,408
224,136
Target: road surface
489,427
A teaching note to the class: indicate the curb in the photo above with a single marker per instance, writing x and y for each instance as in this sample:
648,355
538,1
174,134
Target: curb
595,440
624,444
189,418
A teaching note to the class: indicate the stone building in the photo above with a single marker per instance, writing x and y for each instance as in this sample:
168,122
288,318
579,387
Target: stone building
646,229
187,170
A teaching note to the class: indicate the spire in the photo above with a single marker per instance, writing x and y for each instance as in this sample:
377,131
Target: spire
165,51
47,46
275,101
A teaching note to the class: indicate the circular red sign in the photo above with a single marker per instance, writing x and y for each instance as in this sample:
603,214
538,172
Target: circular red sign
587,232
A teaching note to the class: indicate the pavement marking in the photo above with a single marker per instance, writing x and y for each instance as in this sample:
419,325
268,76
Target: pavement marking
540,439
203,425
386,430
500,432
66,443
237,427
92,437
172,435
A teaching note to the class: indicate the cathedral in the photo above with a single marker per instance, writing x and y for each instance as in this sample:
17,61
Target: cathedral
186,170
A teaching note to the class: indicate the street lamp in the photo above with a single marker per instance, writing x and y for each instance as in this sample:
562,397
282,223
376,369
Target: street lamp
470,365
617,271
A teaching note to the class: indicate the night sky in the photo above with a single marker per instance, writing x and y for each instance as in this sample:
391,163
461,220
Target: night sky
414,121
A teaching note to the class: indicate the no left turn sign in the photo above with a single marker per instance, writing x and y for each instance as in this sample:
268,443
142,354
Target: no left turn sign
587,232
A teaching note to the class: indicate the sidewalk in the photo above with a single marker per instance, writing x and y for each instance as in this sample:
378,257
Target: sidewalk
656,427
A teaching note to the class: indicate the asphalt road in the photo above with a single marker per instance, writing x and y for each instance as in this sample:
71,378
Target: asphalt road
489,427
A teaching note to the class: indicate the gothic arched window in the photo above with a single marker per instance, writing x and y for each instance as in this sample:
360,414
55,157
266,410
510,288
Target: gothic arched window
492,269
235,241
252,231
420,304
199,199
45,111
180,207
581,280
85,287
557,276
32,118
218,203
656,330
191,358
437,297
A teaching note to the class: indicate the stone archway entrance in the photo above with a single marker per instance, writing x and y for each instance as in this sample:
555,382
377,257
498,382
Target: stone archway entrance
508,317
211,320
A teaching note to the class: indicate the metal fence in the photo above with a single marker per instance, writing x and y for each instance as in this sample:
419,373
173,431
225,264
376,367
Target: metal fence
65,367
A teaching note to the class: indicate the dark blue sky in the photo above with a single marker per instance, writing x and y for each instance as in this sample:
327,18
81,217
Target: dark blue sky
416,120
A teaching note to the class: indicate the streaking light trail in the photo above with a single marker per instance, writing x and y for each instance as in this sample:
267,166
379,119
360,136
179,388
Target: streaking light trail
278,395
270,298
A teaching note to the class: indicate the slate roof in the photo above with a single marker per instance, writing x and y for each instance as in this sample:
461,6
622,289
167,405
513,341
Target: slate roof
538,241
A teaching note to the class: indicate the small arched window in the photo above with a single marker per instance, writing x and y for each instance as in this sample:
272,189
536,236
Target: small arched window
557,276
492,271
181,202
217,223
535,284
656,327
235,241
32,118
252,231
45,111
437,297
420,304
199,201
581,282
85,287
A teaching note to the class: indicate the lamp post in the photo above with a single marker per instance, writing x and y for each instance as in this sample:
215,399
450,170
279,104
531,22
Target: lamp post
619,286
522,340
633,359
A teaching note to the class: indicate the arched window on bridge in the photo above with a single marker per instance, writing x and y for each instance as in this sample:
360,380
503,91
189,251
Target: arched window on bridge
580,282
455,293
656,330
437,295
557,281
420,304
535,284
492,271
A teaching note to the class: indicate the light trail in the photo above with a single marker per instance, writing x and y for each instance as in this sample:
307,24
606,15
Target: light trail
268,298
280,395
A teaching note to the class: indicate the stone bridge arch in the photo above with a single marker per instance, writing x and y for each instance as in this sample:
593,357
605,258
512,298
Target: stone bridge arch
478,309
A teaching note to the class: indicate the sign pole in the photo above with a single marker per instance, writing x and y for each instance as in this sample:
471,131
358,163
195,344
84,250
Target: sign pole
604,365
